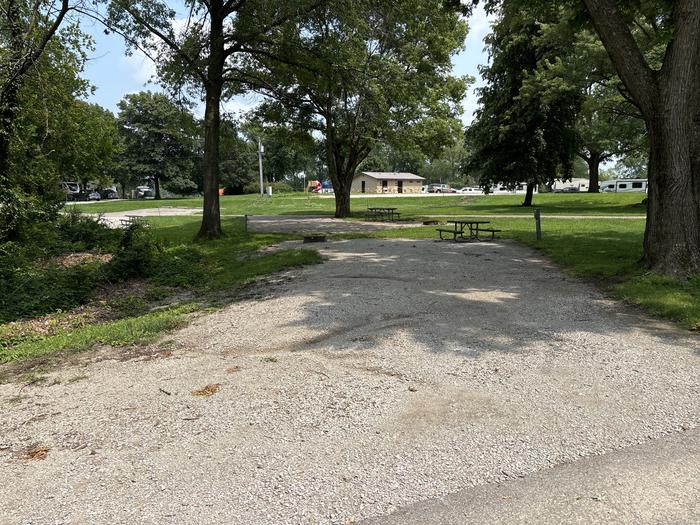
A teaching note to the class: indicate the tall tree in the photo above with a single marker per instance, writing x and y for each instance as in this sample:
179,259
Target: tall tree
664,89
159,140
85,143
26,29
203,54
669,99
373,71
525,128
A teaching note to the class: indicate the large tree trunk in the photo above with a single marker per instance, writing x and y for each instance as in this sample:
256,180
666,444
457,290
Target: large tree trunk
156,184
8,105
342,183
8,203
341,169
342,200
669,99
672,236
529,194
594,172
211,214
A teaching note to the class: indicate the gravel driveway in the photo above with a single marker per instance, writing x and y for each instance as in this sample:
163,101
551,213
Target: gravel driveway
396,372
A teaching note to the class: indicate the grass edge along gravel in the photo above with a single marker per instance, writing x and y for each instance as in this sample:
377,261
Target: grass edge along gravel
123,332
224,265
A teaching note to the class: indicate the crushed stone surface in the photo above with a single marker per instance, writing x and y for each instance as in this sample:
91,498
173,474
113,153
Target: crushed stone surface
395,372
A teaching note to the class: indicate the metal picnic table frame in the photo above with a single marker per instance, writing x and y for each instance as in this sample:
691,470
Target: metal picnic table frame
383,213
461,227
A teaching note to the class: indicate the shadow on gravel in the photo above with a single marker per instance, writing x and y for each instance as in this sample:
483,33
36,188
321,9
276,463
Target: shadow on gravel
465,299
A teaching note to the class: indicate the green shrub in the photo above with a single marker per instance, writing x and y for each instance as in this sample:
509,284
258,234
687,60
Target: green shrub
136,256
277,187
31,291
179,266
84,232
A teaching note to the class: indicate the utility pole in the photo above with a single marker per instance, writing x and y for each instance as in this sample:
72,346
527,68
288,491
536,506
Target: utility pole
261,150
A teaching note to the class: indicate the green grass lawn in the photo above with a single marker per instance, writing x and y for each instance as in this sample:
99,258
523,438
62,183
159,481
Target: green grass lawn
300,204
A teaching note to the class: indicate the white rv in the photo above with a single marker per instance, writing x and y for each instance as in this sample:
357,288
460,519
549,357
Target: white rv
624,185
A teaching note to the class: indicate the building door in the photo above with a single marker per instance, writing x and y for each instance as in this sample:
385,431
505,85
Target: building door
363,186
400,183
385,186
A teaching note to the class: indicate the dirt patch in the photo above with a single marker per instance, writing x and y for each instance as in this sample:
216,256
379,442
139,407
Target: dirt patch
76,259
207,391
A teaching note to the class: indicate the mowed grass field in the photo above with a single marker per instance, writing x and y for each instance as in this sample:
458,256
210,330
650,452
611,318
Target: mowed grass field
409,207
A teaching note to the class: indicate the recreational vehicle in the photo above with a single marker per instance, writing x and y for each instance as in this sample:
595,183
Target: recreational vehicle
624,185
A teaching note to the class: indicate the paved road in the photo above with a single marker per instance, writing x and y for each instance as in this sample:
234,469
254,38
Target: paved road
657,482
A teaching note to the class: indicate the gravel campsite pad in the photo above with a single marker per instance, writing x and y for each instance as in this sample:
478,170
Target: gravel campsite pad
395,372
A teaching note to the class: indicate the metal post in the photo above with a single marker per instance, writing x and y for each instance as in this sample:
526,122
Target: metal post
260,153
245,224
538,224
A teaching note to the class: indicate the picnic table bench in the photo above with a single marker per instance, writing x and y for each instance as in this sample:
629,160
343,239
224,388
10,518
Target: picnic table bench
133,219
381,214
467,230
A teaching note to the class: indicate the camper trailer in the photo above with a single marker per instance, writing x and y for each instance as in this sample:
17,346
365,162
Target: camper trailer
624,185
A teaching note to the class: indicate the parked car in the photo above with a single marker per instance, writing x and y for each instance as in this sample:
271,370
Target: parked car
143,192
109,193
440,188
71,189
473,190
88,195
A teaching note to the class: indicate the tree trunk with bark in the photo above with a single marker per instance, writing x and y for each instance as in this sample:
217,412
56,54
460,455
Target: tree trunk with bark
669,100
672,236
529,194
8,109
593,162
341,169
211,214
156,185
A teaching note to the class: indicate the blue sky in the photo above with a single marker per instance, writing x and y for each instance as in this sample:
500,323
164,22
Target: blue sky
114,74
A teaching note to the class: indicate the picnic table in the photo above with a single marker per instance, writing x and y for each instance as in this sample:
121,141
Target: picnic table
467,230
383,213
133,219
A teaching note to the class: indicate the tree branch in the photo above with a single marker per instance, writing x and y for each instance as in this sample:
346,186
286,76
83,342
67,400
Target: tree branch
624,52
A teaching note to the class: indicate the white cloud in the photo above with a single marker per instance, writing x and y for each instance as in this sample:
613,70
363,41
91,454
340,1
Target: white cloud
141,68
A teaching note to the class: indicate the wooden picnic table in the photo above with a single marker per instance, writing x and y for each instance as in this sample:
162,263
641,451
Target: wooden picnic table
383,213
133,219
467,226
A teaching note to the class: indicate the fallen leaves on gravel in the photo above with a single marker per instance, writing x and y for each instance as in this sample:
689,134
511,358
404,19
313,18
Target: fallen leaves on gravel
37,453
207,391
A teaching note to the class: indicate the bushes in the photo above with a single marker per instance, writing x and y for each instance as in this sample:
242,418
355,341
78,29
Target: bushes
136,256
81,232
33,291
34,283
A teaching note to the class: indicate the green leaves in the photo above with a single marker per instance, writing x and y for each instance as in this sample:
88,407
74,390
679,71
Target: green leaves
159,142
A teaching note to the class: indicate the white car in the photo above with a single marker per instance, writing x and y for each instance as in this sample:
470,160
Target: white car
471,190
